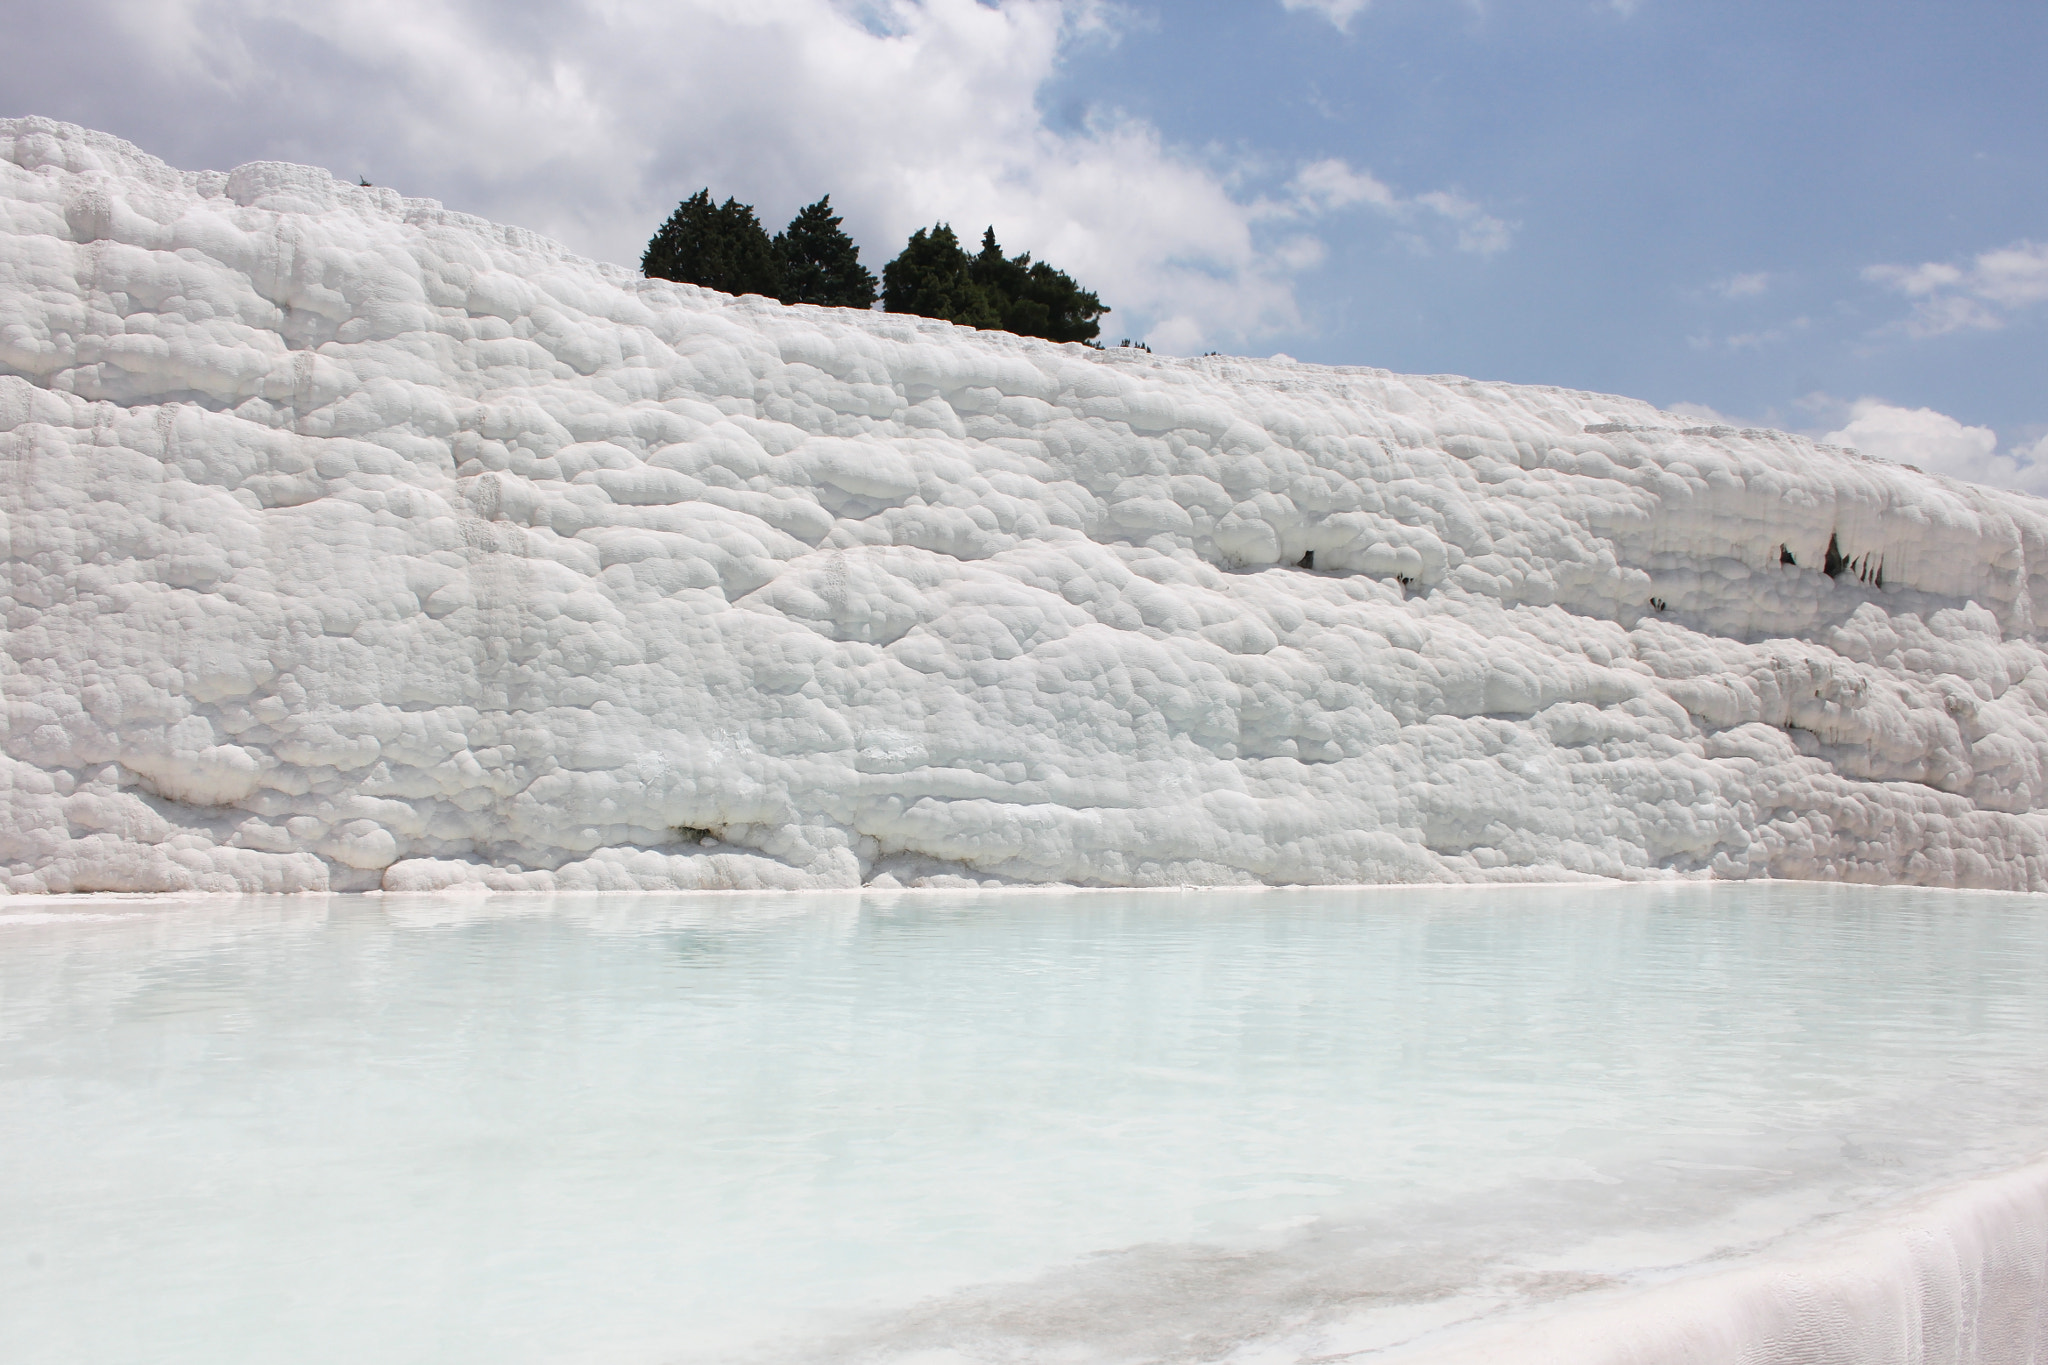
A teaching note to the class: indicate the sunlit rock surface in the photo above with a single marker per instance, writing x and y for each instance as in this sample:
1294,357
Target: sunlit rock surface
355,543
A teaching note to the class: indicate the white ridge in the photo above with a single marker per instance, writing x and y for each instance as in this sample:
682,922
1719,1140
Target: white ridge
1959,1277
354,543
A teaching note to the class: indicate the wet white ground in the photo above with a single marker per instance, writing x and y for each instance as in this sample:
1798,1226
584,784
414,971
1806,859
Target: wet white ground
944,1127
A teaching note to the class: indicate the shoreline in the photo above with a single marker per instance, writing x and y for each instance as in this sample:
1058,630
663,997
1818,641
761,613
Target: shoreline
468,891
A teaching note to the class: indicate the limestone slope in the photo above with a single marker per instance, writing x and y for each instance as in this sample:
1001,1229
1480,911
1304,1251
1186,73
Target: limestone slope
357,543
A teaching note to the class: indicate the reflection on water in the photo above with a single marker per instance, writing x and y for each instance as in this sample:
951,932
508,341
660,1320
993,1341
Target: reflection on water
1004,1126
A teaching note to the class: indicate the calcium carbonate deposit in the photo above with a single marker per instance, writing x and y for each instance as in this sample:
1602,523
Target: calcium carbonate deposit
357,543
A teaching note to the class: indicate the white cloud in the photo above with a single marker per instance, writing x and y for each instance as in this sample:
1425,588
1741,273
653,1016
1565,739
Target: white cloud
1747,286
1915,281
1301,252
1338,12
2013,276
1920,436
1478,232
1939,444
1951,298
1331,184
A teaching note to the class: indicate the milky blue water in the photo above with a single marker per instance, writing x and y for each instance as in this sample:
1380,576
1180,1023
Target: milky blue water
961,1127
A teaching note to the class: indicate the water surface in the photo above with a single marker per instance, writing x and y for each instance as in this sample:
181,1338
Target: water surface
962,1127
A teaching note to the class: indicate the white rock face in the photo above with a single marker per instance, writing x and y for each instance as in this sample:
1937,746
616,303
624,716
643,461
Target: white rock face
353,542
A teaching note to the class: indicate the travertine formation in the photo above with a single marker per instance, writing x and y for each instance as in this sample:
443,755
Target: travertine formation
352,543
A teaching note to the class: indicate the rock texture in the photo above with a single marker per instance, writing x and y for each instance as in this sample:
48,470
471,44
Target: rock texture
352,543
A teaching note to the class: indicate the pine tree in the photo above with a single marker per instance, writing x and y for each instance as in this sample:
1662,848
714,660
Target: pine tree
1035,299
820,263
1006,281
934,278
718,246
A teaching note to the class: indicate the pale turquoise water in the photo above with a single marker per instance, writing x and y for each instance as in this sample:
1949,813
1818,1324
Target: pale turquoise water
959,1127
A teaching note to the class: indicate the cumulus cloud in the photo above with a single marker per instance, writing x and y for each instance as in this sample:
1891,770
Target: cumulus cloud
1331,184
589,119
1338,12
1980,295
2034,454
1935,442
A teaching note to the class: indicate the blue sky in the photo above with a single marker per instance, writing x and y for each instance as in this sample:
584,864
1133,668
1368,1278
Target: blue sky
1696,191
1826,216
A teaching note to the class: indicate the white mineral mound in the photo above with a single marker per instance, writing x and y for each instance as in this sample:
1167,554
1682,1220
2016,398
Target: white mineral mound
358,543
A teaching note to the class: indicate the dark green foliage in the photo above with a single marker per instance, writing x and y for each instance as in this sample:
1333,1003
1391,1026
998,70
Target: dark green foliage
820,263
723,246
720,246
1034,299
936,278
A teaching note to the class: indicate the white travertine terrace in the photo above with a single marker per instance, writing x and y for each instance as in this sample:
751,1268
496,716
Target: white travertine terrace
1959,1277
355,543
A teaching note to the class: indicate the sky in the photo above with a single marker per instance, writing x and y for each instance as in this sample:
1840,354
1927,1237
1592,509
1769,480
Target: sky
1828,216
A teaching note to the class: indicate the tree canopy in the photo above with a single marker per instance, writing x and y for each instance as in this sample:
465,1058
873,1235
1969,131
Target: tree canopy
720,246
936,278
724,246
820,263
1036,300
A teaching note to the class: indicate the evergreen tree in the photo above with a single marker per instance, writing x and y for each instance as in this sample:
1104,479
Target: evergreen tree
934,278
719,246
820,263
1036,300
